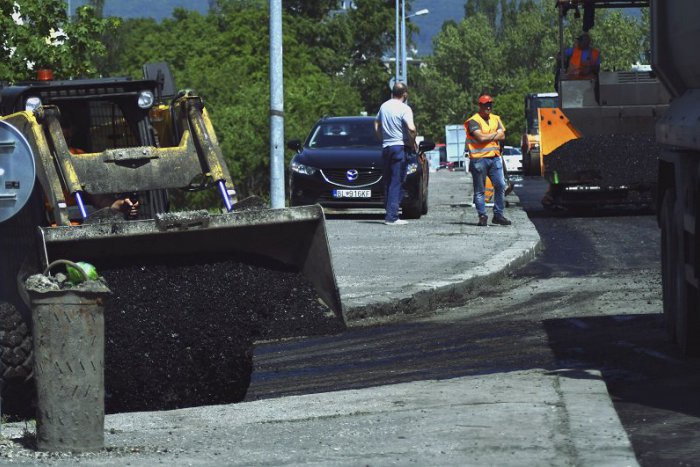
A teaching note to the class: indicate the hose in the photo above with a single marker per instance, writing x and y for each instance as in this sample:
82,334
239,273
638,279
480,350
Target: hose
67,263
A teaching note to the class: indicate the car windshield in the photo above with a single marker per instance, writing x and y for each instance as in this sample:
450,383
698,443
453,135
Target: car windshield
344,134
510,151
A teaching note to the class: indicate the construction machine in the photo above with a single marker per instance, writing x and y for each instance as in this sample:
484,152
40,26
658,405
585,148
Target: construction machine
191,290
530,141
597,146
675,61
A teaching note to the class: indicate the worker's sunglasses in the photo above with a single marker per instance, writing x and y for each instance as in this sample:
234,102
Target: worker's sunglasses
488,106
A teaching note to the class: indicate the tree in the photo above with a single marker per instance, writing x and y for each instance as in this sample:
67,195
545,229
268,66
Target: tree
488,8
224,56
99,6
372,25
619,38
38,33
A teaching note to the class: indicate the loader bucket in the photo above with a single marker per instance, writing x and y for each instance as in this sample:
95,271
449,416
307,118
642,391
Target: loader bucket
295,237
555,129
193,291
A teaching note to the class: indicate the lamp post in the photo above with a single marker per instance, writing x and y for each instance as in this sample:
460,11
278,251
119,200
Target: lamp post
397,75
403,75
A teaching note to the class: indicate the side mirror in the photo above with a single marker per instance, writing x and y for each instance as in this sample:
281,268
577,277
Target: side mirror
426,145
294,145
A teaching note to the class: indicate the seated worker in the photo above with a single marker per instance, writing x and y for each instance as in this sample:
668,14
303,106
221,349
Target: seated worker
127,205
582,60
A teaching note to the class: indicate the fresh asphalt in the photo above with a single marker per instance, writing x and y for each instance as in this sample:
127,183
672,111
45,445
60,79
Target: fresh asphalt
532,417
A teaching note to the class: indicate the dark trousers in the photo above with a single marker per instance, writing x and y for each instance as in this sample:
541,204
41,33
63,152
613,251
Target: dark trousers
394,175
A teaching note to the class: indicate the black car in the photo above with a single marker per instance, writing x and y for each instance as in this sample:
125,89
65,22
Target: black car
340,166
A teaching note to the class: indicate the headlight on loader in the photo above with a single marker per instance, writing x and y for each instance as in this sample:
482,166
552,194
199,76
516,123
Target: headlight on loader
32,104
146,99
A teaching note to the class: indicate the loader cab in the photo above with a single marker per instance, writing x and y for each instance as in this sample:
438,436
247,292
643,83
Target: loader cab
105,113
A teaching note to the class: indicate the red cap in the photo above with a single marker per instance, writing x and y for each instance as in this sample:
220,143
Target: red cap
485,99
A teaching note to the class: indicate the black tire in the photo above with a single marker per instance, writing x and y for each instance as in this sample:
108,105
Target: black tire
424,209
18,249
15,345
531,163
687,314
670,279
415,210
680,296
16,363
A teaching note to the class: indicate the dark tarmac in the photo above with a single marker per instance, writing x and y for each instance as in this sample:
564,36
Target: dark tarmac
531,417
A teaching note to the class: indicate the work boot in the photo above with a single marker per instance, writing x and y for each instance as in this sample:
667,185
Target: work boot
483,221
500,220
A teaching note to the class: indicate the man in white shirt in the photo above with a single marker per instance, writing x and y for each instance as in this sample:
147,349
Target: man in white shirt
394,126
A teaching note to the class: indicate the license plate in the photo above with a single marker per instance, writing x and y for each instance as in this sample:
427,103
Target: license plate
352,193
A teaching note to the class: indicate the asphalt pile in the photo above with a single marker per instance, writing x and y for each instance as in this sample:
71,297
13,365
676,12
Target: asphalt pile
179,331
607,160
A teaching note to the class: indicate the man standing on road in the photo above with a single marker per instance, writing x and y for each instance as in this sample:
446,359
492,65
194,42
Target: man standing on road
485,131
394,126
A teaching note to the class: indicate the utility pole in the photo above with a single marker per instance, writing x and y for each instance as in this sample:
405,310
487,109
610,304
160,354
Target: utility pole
397,75
276,107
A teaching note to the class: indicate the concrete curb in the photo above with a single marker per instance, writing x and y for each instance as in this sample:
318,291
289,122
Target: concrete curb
429,295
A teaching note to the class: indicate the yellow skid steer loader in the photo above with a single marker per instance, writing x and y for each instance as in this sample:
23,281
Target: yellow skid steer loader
192,290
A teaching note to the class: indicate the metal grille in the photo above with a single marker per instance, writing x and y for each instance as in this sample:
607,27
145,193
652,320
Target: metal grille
365,177
635,77
108,127
64,93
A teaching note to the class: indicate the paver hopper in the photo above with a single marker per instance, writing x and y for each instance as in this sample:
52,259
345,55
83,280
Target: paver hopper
613,113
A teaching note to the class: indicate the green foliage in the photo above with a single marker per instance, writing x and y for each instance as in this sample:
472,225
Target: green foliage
224,56
311,9
334,64
41,36
620,39
372,25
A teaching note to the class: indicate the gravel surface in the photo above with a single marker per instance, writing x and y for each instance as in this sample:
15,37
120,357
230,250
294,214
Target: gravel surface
607,160
180,332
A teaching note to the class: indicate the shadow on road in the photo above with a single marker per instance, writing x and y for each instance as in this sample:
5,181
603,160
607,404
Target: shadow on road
654,388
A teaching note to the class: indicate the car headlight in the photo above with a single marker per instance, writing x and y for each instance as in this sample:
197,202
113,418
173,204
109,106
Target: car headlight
302,169
32,104
411,168
146,99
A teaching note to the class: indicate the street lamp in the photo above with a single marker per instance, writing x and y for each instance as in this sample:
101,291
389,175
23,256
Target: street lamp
403,74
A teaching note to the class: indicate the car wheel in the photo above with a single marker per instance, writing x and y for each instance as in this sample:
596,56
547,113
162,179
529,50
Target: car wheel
415,209
424,208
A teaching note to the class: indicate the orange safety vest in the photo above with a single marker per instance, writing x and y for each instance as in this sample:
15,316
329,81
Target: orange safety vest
576,64
489,148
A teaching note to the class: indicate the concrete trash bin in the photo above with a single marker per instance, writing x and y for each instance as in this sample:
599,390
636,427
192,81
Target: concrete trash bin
68,336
